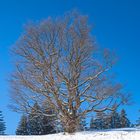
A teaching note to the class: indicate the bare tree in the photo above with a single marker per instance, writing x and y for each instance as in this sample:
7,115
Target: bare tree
58,63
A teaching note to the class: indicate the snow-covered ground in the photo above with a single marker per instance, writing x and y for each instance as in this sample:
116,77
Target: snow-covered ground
116,134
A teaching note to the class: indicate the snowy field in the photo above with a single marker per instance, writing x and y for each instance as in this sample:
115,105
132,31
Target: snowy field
117,134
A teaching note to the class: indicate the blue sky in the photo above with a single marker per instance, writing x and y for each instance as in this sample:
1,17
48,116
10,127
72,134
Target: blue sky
116,26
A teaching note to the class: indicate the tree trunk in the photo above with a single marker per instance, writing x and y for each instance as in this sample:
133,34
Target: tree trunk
70,124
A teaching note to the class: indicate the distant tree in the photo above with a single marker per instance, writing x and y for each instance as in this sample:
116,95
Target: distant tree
82,124
110,120
124,121
115,119
93,124
57,124
138,122
132,125
100,120
2,124
107,121
23,126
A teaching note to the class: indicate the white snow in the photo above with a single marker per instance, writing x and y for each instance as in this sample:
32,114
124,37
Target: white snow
116,134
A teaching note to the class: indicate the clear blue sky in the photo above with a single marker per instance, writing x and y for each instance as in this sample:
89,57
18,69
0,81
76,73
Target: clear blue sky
116,26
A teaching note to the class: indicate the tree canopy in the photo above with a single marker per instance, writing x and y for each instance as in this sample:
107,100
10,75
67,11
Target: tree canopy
58,63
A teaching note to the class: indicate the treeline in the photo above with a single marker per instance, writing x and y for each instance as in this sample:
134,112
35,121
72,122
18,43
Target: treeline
37,124
110,120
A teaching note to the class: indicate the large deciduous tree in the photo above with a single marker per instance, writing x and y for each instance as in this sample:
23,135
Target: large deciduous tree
59,64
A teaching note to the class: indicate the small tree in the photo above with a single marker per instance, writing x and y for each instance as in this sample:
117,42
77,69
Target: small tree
40,124
82,124
138,122
23,127
124,121
2,124
100,120
107,121
115,119
93,124
48,122
35,121
47,127
58,62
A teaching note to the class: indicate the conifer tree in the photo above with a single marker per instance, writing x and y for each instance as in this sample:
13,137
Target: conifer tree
115,120
93,124
138,122
58,126
111,120
124,121
82,123
36,123
107,121
40,124
35,120
23,126
52,121
100,120
2,124
48,123
46,126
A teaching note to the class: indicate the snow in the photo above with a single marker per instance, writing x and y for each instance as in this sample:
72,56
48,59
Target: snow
116,134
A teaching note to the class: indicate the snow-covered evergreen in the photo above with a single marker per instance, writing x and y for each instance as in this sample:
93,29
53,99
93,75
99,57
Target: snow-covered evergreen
2,124
110,120
115,119
82,124
35,123
23,126
124,121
